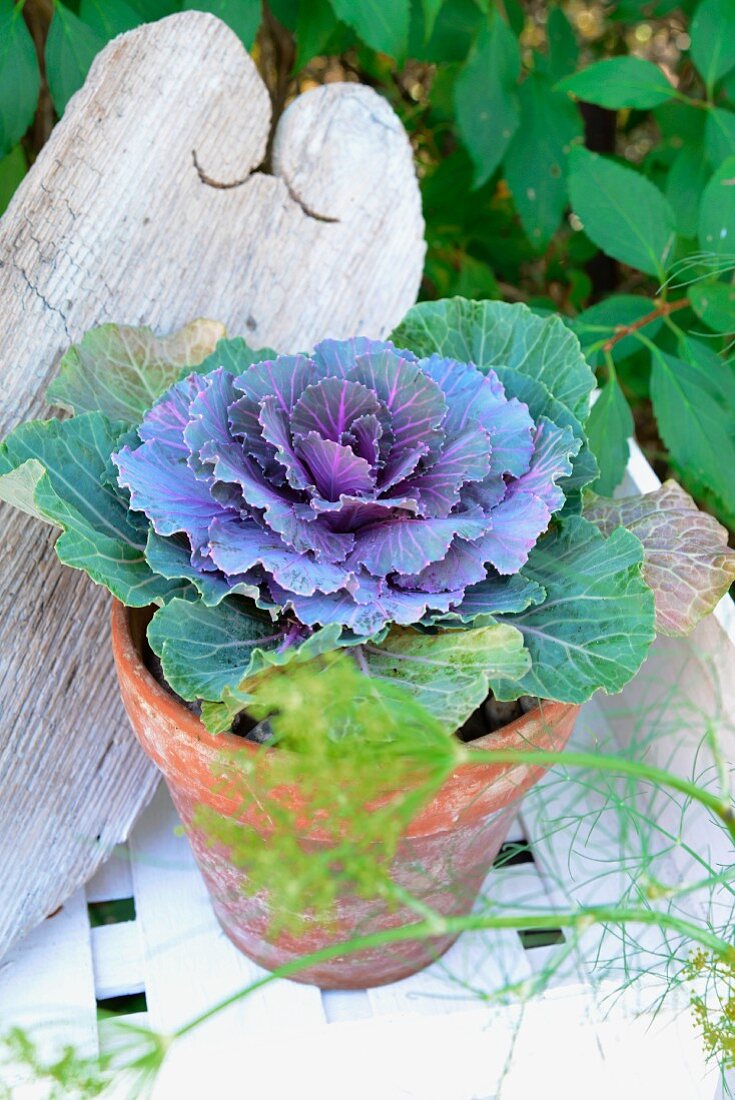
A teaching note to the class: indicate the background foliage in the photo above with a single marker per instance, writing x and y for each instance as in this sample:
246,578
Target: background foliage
579,156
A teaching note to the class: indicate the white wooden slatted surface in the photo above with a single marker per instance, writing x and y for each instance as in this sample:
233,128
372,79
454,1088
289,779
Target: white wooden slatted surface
429,1036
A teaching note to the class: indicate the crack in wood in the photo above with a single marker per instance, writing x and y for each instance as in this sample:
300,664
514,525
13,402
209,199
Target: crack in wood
46,303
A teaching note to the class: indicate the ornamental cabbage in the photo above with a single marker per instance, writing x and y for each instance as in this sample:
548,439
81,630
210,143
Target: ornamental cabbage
424,503
357,485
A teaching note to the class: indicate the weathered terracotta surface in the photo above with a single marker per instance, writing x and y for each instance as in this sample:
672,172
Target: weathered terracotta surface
444,857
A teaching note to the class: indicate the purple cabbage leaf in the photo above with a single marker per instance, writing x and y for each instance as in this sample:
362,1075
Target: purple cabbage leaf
416,500
358,486
686,560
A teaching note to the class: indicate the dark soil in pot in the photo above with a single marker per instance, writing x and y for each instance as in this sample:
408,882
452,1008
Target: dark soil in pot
489,717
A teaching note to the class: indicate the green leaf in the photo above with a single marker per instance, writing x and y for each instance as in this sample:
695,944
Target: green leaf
716,228
486,97
108,18
563,48
430,9
536,160
60,471
696,428
71,47
728,87
18,484
234,355
221,655
267,660
455,30
598,324
678,122
206,650
685,183
714,303
495,595
475,279
285,11
609,428
314,28
242,16
449,673
20,79
719,135
621,211
513,10
171,558
497,334
717,376
620,82
686,559
381,24
713,40
150,10
13,168
596,625
120,371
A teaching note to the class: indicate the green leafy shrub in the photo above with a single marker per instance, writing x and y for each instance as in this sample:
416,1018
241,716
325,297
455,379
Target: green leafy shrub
499,102
574,157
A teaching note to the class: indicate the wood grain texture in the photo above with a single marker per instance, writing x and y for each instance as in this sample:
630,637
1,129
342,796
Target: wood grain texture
147,207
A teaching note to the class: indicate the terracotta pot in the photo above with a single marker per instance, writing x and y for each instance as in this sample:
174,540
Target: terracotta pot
444,857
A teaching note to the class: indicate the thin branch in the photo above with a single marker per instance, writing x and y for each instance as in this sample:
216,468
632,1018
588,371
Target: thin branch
663,309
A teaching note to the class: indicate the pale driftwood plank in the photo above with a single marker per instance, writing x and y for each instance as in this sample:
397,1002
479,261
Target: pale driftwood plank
144,208
189,964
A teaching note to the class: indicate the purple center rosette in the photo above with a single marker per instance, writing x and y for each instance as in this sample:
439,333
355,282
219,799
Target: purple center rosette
357,485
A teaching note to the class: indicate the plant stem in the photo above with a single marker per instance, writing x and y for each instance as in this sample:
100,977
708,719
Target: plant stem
579,919
610,364
721,807
663,309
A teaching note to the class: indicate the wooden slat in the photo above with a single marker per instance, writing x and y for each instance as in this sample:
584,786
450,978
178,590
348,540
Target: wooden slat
547,1049
115,1035
516,834
113,880
189,964
47,983
117,956
391,1058
346,1004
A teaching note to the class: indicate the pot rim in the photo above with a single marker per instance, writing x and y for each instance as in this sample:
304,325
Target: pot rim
127,655
189,756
